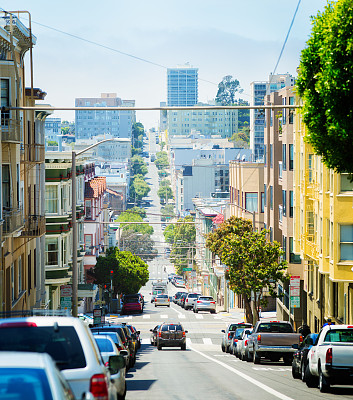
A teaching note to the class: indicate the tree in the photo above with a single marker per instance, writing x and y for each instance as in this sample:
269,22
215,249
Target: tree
254,263
137,243
325,85
226,91
138,166
169,233
138,131
139,188
127,216
165,193
167,212
183,244
130,273
242,138
161,160
138,210
52,143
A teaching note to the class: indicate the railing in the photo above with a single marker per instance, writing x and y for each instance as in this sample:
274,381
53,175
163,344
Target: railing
34,153
10,130
34,226
13,220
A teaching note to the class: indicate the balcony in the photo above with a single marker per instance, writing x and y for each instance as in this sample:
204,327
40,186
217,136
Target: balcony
13,221
34,153
10,130
34,226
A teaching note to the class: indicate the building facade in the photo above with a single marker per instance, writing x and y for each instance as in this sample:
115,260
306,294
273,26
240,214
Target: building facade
182,86
93,123
258,90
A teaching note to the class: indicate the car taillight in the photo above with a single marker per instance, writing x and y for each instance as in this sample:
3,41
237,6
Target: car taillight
329,356
186,300
183,334
159,334
99,387
259,338
18,325
107,364
212,302
198,301
301,339
229,335
235,340
246,343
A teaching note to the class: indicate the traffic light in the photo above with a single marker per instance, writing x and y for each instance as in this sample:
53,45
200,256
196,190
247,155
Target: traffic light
111,273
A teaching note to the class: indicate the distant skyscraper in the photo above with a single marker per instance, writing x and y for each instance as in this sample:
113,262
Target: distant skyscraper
258,90
182,86
93,123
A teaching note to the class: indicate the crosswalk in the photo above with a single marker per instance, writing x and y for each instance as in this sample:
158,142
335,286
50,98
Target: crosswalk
193,341
164,316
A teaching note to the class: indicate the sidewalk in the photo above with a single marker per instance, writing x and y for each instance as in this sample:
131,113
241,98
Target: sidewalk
238,314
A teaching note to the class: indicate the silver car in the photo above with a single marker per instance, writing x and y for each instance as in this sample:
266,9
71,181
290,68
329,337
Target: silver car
190,300
229,333
243,351
108,348
162,300
205,303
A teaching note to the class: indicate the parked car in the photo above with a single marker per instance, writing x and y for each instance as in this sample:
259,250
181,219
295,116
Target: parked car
331,358
236,339
171,335
181,301
229,332
190,300
118,343
243,351
162,300
170,276
131,305
136,335
107,348
205,303
38,376
70,343
178,282
154,333
177,296
273,340
300,357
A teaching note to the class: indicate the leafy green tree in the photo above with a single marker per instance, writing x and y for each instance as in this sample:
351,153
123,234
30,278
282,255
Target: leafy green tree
138,166
242,139
161,160
65,130
244,114
182,237
165,193
52,143
254,263
138,210
127,216
139,244
167,212
325,85
138,131
135,151
227,89
130,273
139,188
163,173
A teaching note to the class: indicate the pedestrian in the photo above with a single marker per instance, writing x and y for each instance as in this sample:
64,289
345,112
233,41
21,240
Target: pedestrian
304,330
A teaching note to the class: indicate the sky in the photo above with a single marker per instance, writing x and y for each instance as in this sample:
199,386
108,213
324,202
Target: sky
223,37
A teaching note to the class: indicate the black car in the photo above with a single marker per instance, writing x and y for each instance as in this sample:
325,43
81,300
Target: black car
182,299
171,335
177,296
300,358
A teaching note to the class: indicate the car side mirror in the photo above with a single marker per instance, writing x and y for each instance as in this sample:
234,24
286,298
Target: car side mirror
186,331
247,332
223,331
151,330
87,396
116,363
138,332
124,353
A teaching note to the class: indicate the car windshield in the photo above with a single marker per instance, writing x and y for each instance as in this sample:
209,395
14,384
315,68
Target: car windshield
131,300
24,383
162,296
275,327
206,298
171,328
238,333
61,343
104,344
193,295
339,335
119,331
233,327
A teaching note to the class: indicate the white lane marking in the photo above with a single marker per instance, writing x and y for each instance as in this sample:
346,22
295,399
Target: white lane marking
181,316
164,316
271,369
146,316
198,316
242,375
145,341
207,341
126,317
188,341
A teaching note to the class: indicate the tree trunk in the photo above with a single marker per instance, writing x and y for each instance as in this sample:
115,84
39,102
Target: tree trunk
248,311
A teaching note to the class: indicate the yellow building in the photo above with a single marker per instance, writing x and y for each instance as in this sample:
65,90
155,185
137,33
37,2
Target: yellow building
323,235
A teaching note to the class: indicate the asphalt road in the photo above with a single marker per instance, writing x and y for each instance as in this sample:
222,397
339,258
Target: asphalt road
203,371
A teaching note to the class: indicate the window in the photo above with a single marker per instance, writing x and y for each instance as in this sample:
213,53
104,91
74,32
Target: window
88,244
64,198
262,202
346,184
346,242
284,157
5,100
88,208
6,186
265,195
265,155
284,247
271,197
251,202
284,112
284,202
19,283
291,112
310,167
51,198
291,157
64,251
291,203
271,155
12,282
51,251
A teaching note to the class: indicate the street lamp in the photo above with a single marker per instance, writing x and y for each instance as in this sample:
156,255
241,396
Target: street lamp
74,225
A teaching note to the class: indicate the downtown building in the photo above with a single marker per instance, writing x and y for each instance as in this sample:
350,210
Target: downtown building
89,124
182,86
258,91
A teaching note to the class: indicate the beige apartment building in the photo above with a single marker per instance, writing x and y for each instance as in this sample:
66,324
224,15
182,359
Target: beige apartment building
279,193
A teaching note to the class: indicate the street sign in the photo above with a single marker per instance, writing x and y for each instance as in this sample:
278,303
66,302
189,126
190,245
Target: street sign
65,303
187,269
294,291
295,301
65,291
295,281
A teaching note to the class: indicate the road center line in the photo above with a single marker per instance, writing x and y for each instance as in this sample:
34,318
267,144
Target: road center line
244,376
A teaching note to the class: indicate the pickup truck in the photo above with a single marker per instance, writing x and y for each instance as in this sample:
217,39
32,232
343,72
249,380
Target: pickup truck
331,358
273,340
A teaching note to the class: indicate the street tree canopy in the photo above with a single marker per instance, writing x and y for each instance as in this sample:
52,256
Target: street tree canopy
254,263
161,160
130,273
139,188
227,89
138,166
127,216
138,243
325,84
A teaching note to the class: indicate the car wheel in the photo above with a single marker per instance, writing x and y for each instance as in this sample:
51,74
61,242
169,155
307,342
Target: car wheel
287,360
213,311
295,373
122,396
247,356
196,310
324,386
223,348
183,346
302,371
310,380
159,347
227,349
255,358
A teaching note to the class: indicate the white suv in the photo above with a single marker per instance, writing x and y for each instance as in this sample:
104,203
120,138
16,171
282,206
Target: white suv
190,300
70,343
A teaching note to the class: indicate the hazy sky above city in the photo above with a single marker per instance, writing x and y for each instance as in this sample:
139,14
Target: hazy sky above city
224,37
